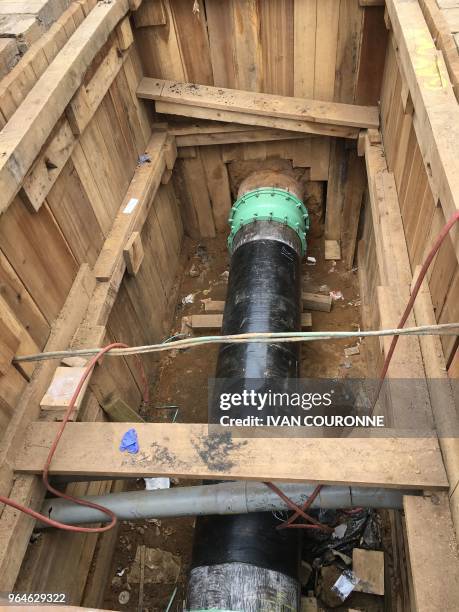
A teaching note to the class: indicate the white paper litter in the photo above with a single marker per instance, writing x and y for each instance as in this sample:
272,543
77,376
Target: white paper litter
311,260
188,299
336,295
340,530
152,484
345,584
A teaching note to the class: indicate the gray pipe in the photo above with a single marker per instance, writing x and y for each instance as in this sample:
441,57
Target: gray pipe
223,498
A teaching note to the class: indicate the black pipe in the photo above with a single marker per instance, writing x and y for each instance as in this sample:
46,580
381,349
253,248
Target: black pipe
243,562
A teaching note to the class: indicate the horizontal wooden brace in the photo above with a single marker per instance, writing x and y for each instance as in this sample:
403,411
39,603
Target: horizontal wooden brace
303,115
291,125
193,451
215,321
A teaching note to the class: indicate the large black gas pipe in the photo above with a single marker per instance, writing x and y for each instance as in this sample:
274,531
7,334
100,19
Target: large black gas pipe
243,562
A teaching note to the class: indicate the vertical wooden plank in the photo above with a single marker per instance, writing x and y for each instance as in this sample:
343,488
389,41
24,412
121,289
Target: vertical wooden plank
326,45
194,196
220,27
193,41
36,249
372,56
277,42
102,211
450,314
247,57
217,184
75,216
336,189
304,22
320,155
160,49
354,190
348,50
12,384
20,301
133,72
119,164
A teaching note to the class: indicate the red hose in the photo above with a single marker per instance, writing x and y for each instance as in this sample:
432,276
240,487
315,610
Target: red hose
44,519
409,306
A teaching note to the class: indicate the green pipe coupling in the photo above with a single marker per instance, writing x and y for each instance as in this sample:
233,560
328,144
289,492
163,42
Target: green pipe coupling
269,204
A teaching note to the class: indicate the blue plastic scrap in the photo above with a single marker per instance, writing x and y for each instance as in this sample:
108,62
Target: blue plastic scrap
130,442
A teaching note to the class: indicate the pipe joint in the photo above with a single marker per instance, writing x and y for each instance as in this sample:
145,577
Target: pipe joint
274,205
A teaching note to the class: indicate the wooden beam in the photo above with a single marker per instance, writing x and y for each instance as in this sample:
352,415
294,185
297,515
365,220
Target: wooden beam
302,113
28,129
133,253
283,107
291,125
193,136
433,553
332,250
316,301
134,208
436,116
191,451
214,321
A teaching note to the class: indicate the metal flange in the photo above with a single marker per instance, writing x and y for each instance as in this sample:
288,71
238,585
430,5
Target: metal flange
270,204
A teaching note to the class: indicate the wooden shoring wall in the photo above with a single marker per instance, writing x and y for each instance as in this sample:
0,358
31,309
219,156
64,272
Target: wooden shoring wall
207,177
58,235
321,49
422,215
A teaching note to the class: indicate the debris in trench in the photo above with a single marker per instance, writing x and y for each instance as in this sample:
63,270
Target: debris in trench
188,299
309,604
224,275
345,558
202,253
336,295
305,572
324,289
339,531
311,261
123,597
352,350
368,565
153,484
328,576
161,567
345,584
144,159
194,272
